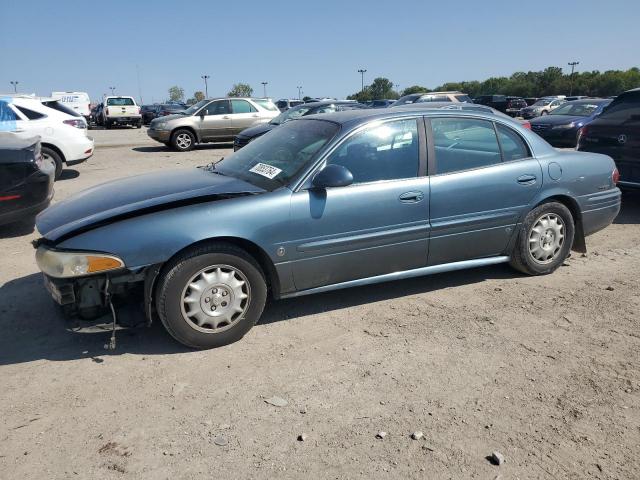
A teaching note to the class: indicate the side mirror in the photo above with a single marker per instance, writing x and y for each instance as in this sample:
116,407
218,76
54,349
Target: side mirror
332,176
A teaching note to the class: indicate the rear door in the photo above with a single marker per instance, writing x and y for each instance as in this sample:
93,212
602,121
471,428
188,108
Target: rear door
215,121
243,115
484,179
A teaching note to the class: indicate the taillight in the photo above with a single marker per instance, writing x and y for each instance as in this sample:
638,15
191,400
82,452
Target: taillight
75,122
139,109
615,176
526,125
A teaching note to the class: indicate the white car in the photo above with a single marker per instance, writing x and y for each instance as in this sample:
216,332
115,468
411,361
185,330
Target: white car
63,133
119,110
79,102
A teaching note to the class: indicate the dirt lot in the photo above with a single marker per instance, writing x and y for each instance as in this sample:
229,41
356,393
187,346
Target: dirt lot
544,370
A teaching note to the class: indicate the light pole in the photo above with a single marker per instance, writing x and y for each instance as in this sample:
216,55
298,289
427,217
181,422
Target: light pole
264,88
362,71
206,86
299,91
15,85
573,66
113,90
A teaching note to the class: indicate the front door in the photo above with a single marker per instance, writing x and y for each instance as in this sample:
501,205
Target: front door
377,225
215,124
484,180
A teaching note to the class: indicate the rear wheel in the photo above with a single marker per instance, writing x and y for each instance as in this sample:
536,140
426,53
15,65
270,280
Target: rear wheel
50,154
544,240
183,140
211,295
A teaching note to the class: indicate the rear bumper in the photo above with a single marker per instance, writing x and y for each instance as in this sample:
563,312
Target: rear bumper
601,210
78,151
26,212
125,120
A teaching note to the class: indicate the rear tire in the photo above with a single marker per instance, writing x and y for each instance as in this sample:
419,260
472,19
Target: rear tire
183,140
210,296
55,157
544,240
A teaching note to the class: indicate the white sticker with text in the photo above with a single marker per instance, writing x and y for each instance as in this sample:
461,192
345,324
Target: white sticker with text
265,170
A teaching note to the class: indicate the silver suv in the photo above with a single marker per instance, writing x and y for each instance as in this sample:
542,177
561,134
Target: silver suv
212,120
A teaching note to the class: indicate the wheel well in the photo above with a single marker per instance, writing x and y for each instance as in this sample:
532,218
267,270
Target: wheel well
55,149
191,129
260,256
579,243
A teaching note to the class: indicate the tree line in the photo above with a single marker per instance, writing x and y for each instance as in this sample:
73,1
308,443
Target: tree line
176,93
550,81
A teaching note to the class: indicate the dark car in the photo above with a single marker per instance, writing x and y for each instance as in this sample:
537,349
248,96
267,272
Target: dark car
322,203
560,127
26,179
285,104
384,103
303,110
149,112
96,114
503,103
616,132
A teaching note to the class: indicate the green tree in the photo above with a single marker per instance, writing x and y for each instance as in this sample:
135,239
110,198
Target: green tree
414,89
198,96
176,94
380,88
240,90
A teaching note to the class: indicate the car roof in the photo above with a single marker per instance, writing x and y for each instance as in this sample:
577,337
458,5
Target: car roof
354,117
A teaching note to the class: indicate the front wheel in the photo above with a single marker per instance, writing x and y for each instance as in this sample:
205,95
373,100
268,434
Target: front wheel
183,140
544,240
211,295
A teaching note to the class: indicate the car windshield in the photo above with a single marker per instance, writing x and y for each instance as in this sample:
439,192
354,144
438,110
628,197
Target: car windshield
273,160
290,114
575,109
542,103
196,106
120,101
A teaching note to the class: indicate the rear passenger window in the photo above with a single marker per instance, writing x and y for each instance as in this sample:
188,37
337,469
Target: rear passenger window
513,147
383,152
464,143
242,106
30,114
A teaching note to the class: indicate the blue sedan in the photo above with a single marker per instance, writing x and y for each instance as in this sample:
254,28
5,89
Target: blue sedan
323,203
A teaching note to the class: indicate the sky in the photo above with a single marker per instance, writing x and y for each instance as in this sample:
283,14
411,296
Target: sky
144,47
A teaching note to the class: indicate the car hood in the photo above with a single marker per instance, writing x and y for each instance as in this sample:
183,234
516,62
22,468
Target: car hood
137,195
257,130
557,119
166,118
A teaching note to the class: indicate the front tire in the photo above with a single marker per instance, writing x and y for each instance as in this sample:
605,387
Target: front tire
183,140
50,154
544,240
211,295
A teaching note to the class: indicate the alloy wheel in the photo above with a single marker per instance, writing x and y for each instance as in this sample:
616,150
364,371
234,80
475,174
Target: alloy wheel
183,141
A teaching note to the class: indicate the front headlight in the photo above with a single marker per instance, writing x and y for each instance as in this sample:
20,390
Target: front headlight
61,264
160,126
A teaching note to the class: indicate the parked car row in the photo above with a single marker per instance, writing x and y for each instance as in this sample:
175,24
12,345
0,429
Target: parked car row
117,110
149,112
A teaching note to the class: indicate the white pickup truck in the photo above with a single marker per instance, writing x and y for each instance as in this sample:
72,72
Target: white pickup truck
119,110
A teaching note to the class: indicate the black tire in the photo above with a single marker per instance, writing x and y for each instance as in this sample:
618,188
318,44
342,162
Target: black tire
523,259
179,140
139,124
107,124
57,160
174,280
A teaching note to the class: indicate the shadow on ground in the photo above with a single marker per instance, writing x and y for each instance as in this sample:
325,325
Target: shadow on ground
202,146
32,327
68,174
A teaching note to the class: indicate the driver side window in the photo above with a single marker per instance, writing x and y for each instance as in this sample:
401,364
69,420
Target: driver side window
387,151
219,107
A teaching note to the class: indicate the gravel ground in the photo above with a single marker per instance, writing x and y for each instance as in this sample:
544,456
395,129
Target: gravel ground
544,370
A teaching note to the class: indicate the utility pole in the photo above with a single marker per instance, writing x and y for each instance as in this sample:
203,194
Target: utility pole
206,86
573,66
264,88
362,71
15,85
113,90
299,92
139,87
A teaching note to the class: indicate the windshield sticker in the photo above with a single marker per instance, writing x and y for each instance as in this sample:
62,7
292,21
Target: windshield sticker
265,170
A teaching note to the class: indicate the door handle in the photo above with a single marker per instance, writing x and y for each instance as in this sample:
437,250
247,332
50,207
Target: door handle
527,179
411,197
